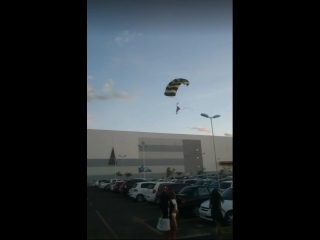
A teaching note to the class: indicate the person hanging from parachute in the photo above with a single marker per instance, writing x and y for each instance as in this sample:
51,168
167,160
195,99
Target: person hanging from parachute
172,88
177,109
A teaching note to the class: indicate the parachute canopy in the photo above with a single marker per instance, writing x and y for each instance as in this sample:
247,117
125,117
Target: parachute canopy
172,88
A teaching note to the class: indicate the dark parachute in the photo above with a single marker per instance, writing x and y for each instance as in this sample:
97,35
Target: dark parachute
172,87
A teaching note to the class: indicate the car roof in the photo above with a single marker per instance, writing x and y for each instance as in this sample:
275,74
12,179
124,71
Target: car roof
197,186
144,182
173,183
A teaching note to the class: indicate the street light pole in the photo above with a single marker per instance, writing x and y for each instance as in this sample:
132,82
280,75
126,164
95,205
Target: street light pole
115,168
214,147
143,145
122,163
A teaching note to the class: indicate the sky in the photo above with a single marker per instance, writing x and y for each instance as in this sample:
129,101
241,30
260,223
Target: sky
135,48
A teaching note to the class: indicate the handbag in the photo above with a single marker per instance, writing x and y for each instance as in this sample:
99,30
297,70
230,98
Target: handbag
164,223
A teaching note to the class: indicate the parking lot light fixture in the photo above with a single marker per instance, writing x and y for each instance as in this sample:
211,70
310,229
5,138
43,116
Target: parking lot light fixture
214,148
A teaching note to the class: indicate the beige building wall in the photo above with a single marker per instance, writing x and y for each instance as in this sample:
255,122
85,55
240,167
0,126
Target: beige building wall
165,149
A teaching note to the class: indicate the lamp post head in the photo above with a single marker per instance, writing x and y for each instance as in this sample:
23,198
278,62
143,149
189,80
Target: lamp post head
204,115
216,116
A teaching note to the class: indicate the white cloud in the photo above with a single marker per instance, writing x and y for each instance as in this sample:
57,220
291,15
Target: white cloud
201,129
108,86
126,37
109,93
90,118
91,94
89,77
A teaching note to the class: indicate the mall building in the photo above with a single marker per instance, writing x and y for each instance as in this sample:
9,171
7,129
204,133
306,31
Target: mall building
134,152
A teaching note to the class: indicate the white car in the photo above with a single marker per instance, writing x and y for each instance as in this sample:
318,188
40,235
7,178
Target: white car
114,184
97,183
106,185
227,205
139,190
149,196
151,193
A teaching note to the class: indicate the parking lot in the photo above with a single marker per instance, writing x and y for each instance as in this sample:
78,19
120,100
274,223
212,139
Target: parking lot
115,216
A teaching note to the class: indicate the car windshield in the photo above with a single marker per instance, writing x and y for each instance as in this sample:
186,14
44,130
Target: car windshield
213,182
227,194
225,185
199,182
135,185
191,181
177,188
151,186
187,190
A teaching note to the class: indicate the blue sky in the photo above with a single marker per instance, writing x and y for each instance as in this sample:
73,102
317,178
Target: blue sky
135,48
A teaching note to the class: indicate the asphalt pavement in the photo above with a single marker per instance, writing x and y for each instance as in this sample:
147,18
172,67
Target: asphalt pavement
115,216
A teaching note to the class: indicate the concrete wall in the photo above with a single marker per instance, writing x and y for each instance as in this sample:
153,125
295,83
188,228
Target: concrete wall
180,151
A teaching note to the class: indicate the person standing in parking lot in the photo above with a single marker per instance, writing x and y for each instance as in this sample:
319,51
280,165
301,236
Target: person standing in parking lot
172,197
216,210
165,203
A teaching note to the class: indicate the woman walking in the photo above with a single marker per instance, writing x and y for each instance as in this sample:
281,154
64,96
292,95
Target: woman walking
216,211
165,203
172,197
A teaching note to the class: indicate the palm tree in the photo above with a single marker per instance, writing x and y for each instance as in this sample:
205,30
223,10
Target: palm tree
170,172
224,171
127,174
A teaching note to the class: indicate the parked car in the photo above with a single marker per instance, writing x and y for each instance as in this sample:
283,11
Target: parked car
174,180
211,182
225,184
151,194
191,181
161,180
115,187
176,187
190,198
227,205
97,183
103,183
106,186
203,182
229,177
138,191
125,187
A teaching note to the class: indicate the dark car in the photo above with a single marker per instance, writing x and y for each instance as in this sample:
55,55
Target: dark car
203,182
190,181
226,184
176,187
190,198
211,182
117,186
124,188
